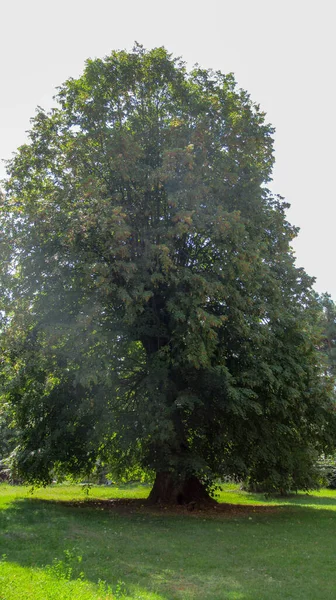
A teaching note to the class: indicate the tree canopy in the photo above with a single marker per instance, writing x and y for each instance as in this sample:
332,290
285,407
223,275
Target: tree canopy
154,318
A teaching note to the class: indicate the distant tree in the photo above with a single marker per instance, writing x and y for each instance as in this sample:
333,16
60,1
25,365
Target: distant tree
155,316
7,433
328,332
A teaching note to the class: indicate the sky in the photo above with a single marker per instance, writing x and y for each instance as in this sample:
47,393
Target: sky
281,52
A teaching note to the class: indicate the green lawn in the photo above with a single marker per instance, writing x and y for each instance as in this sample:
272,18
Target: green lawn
52,550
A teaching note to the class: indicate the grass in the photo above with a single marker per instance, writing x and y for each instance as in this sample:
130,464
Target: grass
55,550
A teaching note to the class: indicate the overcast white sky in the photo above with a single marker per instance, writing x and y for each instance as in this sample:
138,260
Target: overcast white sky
282,52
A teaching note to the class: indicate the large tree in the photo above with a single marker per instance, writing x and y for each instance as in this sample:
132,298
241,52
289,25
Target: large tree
155,316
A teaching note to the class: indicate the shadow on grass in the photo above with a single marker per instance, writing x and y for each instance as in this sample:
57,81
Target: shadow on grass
146,554
297,499
243,557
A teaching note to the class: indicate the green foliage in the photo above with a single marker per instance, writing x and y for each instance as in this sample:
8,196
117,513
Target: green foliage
154,316
328,332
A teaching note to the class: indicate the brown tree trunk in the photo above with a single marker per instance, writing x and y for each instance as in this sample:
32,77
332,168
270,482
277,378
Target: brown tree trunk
168,489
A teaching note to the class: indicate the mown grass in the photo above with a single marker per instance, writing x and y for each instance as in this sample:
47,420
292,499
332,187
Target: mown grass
58,551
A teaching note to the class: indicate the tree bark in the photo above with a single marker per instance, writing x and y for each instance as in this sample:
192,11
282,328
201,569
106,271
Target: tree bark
168,489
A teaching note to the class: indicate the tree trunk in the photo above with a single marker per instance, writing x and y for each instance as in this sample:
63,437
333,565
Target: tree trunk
168,489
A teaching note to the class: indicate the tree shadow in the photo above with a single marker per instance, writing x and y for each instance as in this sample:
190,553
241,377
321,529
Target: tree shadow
297,499
138,549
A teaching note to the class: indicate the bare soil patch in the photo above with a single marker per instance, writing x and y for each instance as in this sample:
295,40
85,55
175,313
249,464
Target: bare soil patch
132,506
